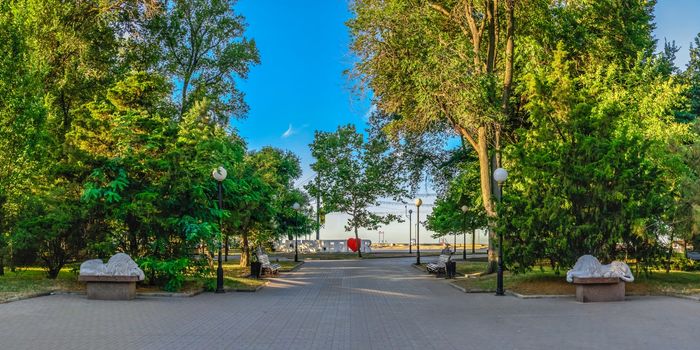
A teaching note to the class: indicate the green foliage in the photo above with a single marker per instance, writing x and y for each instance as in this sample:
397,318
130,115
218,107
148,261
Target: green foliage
261,197
680,263
95,156
49,226
170,274
593,174
354,174
205,51
691,75
447,216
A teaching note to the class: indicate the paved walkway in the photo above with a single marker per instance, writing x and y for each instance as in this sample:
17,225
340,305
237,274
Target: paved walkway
368,304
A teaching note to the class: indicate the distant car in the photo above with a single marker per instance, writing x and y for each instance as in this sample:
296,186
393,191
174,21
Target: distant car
694,256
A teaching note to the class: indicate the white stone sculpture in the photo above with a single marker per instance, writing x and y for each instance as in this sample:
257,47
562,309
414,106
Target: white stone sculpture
119,264
589,266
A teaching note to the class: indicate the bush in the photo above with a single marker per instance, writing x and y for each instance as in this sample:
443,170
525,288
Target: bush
168,274
681,263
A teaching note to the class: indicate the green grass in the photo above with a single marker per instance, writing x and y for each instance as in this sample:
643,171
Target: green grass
32,280
547,282
29,281
236,277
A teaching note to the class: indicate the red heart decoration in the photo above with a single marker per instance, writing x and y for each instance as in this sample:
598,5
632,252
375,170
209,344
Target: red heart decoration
354,244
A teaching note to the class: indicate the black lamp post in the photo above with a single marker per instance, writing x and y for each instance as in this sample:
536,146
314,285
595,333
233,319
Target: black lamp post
418,204
464,232
296,207
219,174
454,245
500,175
410,215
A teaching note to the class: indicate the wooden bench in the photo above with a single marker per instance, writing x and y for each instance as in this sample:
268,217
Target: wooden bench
438,266
110,287
595,289
268,267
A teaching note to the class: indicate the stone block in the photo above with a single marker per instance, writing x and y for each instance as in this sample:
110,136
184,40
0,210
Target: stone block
599,289
110,287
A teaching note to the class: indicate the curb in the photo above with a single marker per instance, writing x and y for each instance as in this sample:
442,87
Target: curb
301,263
474,290
683,296
234,290
170,294
145,294
464,290
419,268
539,296
28,296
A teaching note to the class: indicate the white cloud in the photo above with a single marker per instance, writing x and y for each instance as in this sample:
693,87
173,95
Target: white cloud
289,132
372,109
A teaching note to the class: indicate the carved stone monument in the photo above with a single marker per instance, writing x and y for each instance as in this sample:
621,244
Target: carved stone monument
597,282
115,280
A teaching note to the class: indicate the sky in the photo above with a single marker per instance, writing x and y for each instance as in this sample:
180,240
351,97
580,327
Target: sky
300,85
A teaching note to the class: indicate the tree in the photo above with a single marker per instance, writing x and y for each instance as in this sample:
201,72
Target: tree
204,53
450,66
593,174
447,216
691,75
356,174
265,185
290,223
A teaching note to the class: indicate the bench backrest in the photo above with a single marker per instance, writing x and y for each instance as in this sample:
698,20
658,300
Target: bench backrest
264,259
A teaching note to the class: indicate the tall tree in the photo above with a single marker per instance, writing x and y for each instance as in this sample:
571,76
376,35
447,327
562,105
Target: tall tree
691,75
205,52
356,174
451,65
447,216
265,186
594,173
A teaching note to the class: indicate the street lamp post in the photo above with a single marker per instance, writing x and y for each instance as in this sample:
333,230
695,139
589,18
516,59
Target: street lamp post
464,232
454,246
418,204
410,214
296,207
500,175
219,174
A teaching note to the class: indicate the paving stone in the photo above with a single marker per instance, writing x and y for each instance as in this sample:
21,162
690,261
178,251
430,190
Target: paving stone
367,304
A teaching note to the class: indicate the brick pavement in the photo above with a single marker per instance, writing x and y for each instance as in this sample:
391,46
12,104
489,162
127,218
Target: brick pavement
369,304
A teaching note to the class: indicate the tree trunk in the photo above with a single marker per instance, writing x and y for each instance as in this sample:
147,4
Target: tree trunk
185,85
359,247
485,179
2,264
245,251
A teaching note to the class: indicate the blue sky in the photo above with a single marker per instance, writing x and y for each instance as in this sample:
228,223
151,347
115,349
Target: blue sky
300,87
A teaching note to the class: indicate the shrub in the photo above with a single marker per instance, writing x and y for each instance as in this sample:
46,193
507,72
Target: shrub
168,274
681,263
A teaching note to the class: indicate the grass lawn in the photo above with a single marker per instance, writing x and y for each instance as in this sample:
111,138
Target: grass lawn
548,283
28,281
236,277
32,280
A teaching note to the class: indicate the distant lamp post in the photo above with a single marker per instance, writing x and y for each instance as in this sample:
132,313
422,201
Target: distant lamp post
219,174
410,215
418,204
500,175
464,233
296,207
